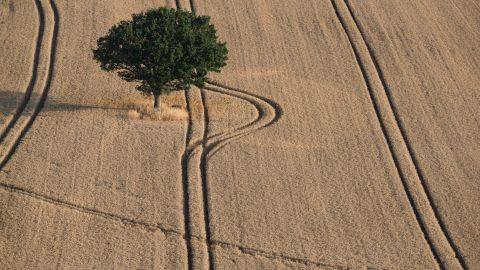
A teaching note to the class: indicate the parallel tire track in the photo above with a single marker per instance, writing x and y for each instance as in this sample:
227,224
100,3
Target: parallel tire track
185,184
208,145
44,94
185,176
421,220
203,175
403,132
33,75
385,134
150,227
268,113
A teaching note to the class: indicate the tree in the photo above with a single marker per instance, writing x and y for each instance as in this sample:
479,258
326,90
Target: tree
163,50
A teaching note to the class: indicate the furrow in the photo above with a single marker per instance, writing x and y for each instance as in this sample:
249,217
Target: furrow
203,175
34,73
276,108
204,184
157,227
385,134
399,149
209,145
401,126
185,176
272,255
268,113
266,116
24,128
185,185
87,210
178,4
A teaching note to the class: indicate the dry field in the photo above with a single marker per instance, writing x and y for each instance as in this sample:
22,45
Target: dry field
342,134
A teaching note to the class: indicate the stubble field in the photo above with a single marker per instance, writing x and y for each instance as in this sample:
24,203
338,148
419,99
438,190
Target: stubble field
341,135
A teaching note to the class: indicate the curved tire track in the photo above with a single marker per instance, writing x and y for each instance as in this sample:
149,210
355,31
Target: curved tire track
269,112
33,76
24,128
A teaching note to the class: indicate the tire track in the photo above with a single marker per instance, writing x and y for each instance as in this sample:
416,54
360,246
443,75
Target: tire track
44,93
272,255
268,112
185,184
33,76
421,211
408,144
150,227
267,115
203,175
186,176
385,134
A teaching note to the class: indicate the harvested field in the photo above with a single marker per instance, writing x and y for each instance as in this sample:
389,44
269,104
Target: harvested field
341,135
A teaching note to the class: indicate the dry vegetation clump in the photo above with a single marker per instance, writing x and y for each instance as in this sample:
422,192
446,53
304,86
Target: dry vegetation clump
167,114
140,107
133,115
6,5
163,114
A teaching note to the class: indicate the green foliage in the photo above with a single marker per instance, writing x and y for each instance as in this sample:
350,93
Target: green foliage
163,50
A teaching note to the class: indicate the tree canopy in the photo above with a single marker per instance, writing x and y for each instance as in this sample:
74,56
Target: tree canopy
163,50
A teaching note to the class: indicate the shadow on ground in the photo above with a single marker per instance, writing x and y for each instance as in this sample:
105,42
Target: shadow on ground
10,100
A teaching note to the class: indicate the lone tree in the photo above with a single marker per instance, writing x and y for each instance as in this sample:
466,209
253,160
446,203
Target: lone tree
162,49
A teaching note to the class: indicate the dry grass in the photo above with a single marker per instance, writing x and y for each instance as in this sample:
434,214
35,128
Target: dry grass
320,184
133,115
164,114
141,107
167,114
173,108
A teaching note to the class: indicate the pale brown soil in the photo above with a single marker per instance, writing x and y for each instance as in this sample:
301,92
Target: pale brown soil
341,135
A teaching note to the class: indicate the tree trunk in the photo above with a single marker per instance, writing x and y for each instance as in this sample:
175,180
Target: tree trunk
156,103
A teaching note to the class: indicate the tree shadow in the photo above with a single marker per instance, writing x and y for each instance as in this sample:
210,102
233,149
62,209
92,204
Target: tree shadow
11,100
